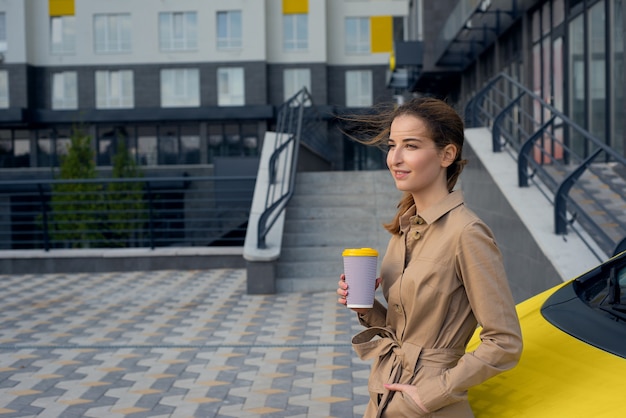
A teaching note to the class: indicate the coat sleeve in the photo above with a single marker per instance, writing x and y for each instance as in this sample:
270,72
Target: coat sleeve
376,317
479,265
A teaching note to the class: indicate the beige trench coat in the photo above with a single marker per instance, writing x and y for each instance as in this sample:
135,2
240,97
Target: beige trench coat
441,277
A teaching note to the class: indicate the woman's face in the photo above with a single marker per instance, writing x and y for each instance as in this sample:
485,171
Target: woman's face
416,164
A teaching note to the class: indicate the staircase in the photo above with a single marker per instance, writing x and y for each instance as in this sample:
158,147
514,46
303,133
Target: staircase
331,211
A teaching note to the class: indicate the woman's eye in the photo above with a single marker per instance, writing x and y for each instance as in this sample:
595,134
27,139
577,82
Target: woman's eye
410,146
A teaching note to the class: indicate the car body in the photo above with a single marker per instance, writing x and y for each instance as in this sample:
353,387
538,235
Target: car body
574,359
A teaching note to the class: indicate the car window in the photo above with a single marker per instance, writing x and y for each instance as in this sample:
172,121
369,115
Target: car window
621,280
592,307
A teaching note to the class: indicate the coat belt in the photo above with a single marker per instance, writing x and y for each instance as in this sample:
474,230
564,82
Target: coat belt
404,356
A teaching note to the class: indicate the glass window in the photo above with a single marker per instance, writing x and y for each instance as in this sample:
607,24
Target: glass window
230,87
4,89
558,12
6,149
597,69
62,34
168,146
114,89
112,33
178,31
535,25
64,91
358,88
3,32
617,81
51,146
146,145
577,80
106,145
229,29
294,79
295,32
180,87
357,35
545,18
189,145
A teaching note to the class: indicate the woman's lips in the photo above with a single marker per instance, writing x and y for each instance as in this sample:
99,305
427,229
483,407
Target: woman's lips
399,175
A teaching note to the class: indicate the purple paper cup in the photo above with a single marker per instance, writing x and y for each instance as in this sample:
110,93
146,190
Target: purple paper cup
359,266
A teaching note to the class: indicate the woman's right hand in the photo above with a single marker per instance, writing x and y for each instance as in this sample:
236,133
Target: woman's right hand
342,291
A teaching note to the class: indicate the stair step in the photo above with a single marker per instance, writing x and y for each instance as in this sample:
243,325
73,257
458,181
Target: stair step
346,213
331,201
306,285
325,253
305,269
331,211
326,238
351,225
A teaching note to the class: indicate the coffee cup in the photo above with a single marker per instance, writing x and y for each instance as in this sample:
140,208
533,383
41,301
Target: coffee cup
359,266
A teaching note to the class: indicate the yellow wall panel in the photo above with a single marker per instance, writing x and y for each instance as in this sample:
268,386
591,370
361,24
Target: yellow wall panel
61,7
381,32
295,7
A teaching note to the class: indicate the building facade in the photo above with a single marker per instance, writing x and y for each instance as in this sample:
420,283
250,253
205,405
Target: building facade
181,82
568,52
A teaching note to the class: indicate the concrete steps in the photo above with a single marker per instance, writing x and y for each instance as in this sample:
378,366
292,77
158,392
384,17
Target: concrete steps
331,211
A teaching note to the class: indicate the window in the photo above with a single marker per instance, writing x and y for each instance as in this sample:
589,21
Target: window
358,88
357,35
4,89
14,148
3,32
616,54
295,32
62,34
112,33
180,87
230,87
229,30
293,81
114,89
178,31
64,92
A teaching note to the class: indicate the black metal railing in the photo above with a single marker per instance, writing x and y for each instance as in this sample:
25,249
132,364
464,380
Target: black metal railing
118,213
298,122
578,173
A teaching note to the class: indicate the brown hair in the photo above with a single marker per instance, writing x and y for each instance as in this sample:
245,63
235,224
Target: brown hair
444,125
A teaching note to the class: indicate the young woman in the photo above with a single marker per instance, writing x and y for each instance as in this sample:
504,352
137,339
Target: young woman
442,275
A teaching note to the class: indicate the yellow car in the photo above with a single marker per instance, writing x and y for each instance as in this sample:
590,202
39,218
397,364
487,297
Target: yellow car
574,358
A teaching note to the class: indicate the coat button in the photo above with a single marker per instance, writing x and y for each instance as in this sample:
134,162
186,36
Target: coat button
398,308
418,235
420,221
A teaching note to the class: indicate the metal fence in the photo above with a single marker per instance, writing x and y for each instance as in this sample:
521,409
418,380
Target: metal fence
580,175
123,213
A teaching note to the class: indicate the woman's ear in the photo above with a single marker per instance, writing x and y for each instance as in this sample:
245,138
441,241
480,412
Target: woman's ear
448,155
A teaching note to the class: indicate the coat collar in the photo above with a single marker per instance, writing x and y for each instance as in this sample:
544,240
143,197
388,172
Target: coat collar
433,213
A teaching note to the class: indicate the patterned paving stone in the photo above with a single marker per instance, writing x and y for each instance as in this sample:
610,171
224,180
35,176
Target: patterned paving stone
173,344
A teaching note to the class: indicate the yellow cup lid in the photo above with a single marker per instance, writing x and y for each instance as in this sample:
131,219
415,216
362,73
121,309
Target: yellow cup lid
360,252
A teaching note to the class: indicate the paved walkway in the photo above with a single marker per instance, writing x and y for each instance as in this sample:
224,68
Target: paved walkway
173,344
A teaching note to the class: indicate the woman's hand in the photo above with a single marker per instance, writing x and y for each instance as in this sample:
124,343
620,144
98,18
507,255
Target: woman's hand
408,390
342,291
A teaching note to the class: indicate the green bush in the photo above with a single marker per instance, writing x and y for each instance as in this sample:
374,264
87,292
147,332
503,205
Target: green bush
126,214
77,207
89,215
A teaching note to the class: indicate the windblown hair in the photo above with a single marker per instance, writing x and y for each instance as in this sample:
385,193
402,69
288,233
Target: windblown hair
443,123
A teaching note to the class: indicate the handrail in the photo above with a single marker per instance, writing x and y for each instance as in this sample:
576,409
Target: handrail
290,120
562,154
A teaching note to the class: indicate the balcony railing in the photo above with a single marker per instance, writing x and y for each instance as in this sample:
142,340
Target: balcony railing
578,173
